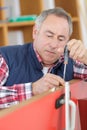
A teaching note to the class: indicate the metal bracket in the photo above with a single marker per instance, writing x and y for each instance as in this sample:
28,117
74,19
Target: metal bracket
60,101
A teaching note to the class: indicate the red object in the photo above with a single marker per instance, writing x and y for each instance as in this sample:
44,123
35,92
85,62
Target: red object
39,113
79,92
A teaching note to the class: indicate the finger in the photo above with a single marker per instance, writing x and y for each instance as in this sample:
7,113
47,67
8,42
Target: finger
77,52
81,55
57,79
51,81
75,48
70,44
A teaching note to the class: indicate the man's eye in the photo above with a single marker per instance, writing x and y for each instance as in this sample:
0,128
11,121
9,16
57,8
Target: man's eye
61,39
49,36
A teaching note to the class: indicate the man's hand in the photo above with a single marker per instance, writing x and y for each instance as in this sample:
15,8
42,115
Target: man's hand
77,50
46,82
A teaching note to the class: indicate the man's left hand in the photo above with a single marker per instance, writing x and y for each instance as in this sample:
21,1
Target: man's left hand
77,50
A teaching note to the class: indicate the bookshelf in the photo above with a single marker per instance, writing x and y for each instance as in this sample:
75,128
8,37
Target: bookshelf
26,7
72,7
34,7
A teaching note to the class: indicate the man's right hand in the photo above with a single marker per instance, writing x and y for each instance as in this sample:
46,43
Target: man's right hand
46,82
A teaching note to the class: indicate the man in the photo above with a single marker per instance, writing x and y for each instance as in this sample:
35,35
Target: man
31,69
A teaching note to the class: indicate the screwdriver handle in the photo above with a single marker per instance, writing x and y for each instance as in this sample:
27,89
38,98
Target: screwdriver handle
66,55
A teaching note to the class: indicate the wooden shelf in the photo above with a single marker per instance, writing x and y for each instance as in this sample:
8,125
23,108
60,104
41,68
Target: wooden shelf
26,7
35,7
20,24
71,6
17,24
75,19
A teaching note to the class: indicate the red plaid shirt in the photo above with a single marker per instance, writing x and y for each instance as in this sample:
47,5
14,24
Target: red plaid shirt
11,95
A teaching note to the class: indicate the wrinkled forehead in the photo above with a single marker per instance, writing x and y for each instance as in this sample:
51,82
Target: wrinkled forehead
56,24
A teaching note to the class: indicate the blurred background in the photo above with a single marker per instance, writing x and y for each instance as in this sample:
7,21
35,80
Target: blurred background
17,18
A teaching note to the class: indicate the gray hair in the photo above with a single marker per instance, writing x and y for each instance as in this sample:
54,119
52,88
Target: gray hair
60,12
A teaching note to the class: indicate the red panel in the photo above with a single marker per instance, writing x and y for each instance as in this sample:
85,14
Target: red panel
42,115
39,115
79,92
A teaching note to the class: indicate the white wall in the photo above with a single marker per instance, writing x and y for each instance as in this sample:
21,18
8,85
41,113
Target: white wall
83,20
48,4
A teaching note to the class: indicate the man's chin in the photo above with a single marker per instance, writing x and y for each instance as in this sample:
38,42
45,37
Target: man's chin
50,63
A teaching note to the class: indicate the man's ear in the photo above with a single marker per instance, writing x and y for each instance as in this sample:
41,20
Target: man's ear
34,31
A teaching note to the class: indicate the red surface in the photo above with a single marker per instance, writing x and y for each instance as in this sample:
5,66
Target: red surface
79,92
42,115
39,115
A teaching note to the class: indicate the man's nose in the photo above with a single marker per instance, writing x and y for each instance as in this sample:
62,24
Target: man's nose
54,43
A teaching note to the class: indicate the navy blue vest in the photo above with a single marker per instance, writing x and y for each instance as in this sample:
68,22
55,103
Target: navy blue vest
24,66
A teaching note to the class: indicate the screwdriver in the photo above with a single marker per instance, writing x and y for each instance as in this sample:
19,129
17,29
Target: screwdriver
66,57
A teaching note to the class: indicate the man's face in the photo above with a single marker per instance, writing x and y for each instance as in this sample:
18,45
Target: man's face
51,38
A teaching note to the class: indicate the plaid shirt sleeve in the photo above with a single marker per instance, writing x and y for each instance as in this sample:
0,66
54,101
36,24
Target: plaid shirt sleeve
4,71
80,70
11,95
